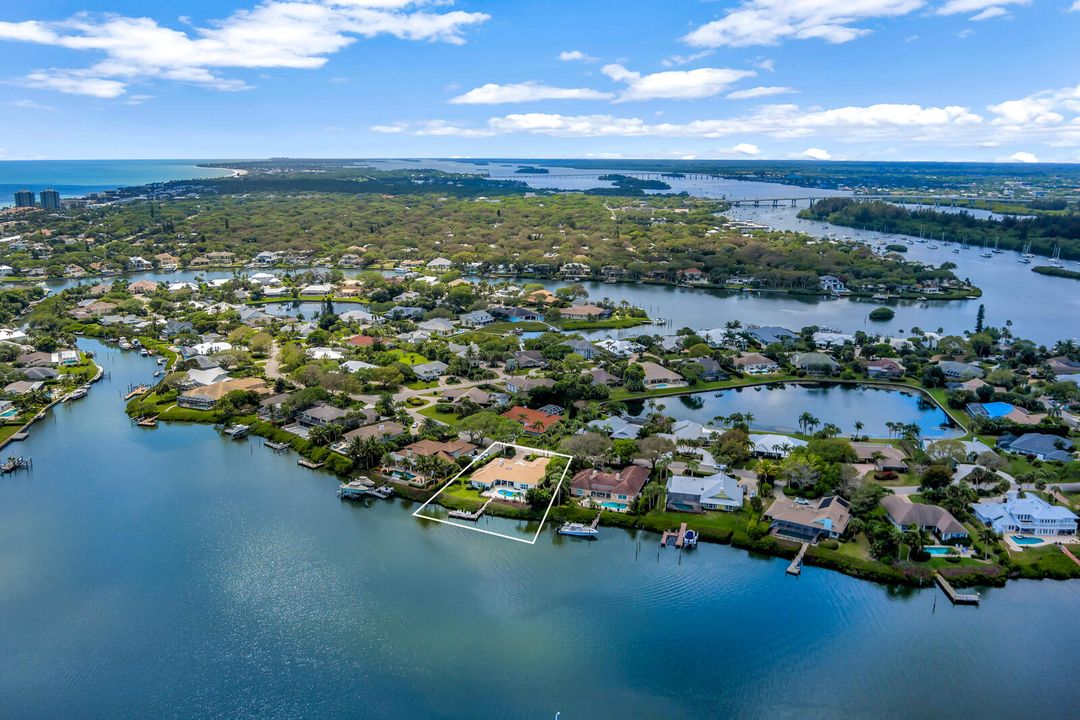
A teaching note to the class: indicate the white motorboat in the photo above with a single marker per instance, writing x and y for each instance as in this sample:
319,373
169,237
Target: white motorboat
574,529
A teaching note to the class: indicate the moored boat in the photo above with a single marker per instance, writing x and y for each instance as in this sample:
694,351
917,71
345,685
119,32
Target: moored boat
574,529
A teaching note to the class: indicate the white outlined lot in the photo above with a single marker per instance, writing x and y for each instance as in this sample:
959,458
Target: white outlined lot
498,447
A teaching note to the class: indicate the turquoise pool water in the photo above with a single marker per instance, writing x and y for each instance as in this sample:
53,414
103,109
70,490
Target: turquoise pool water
611,505
508,493
1021,540
939,550
997,409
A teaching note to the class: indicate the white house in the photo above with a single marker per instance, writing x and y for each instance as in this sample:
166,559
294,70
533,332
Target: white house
774,446
1030,515
716,492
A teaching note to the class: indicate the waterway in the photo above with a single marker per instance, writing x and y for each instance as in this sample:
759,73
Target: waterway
777,407
171,573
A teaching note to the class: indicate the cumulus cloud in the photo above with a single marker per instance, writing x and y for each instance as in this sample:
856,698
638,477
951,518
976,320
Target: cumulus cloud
494,94
575,56
815,154
761,91
1075,7
988,14
768,22
1024,157
674,84
745,150
1046,107
297,34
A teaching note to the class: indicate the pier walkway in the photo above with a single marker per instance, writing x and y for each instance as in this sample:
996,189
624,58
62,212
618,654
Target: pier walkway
1069,554
795,568
679,536
957,598
472,516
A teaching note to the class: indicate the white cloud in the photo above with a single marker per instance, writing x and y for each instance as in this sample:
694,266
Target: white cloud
575,56
956,7
988,14
761,91
676,60
1024,157
297,34
1075,7
494,94
965,33
781,121
1043,108
769,65
674,84
745,149
768,22
815,154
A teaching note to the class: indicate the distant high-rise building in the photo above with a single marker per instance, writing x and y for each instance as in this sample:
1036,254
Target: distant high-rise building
50,199
24,198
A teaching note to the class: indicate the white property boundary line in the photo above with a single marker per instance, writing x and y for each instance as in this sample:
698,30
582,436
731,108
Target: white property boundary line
501,446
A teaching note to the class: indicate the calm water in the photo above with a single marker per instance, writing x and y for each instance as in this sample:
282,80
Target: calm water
777,408
170,573
74,178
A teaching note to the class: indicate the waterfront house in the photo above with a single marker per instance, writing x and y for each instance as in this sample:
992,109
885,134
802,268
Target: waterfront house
771,334
884,369
451,450
618,488
774,446
882,455
1030,515
1041,446
361,317
172,328
317,290
204,398
514,314
756,364
40,373
710,369
197,377
585,312
686,493
535,422
689,431
23,387
518,474
658,376
430,371
691,276
322,415
380,431
138,263
815,363
906,515
440,264
832,284
619,348
825,339
437,326
809,520
36,359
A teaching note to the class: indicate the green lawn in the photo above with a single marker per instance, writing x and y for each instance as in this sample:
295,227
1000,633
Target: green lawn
449,418
421,384
409,358
6,431
1046,561
615,323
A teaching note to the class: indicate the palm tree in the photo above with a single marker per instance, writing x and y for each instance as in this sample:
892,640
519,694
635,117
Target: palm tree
805,420
858,427
766,470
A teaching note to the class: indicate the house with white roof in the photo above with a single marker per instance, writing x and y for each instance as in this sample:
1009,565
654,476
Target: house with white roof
1029,515
686,493
774,446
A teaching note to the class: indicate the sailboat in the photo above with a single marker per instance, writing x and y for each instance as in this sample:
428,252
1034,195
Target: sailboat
1055,261
1025,254
997,250
986,253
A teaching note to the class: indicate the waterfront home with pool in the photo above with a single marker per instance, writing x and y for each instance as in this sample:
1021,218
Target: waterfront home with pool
815,363
809,520
686,493
613,490
510,478
658,376
204,398
906,515
756,364
774,446
1030,515
882,455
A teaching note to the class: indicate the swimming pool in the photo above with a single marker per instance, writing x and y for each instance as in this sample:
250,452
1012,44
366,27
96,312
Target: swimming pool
611,505
1021,540
939,550
997,409
511,494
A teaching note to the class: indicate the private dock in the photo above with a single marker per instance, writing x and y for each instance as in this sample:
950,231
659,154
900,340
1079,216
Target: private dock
471,516
276,446
683,537
236,432
795,568
14,463
310,465
1068,554
140,390
956,597
150,421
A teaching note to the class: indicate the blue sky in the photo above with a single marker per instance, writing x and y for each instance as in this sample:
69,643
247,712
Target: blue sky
825,79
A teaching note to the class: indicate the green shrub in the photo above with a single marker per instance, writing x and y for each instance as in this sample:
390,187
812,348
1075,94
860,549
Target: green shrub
830,544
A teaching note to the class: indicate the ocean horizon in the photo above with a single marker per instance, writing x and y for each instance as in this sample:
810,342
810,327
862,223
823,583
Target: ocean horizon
76,178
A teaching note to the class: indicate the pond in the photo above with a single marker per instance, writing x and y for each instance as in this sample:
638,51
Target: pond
777,407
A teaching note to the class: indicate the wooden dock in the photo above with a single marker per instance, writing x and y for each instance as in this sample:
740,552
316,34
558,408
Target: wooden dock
471,516
310,465
276,446
147,421
679,536
141,390
14,463
1069,554
956,597
795,568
